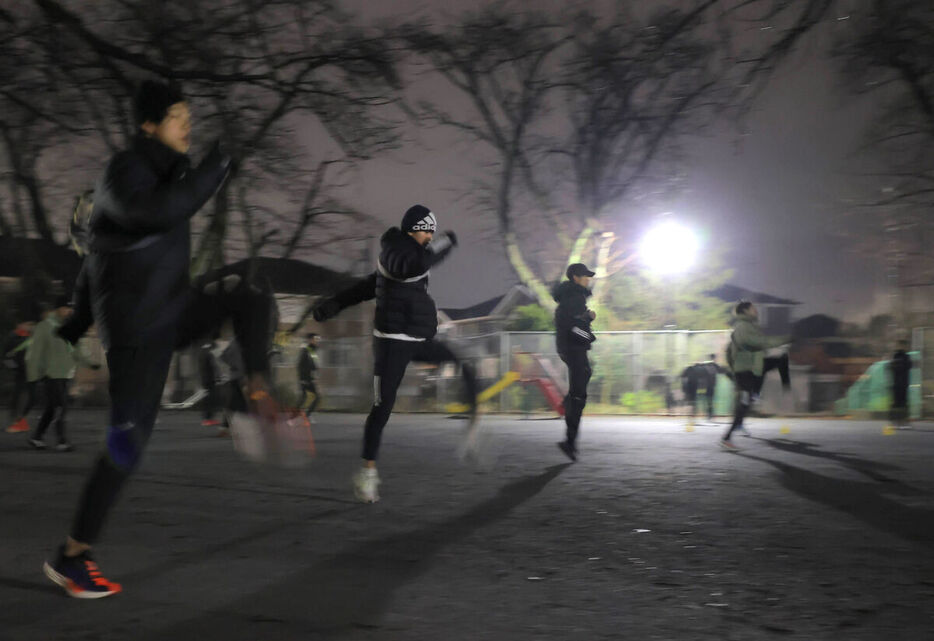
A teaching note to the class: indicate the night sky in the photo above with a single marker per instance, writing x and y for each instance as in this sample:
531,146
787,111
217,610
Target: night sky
767,192
770,193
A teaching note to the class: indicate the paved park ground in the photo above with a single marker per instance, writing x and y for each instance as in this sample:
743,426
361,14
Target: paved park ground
823,532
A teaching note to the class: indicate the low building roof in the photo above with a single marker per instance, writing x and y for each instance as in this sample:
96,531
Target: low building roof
735,293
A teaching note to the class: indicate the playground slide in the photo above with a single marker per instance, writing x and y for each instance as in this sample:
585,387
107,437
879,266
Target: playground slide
508,379
552,394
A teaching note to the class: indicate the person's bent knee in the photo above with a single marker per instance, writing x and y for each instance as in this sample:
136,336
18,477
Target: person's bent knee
125,444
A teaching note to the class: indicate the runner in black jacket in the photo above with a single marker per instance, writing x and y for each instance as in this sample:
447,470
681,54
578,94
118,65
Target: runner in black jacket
134,284
404,326
900,368
307,369
573,338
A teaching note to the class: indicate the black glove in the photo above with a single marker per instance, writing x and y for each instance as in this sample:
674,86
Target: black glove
582,336
325,309
218,156
443,245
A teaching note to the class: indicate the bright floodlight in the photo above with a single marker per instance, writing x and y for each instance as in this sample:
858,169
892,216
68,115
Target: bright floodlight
669,248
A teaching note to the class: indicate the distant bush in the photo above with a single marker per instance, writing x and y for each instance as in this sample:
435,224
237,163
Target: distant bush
642,402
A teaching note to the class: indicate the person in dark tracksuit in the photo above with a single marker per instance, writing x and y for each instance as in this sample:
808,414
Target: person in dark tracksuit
14,358
692,377
232,386
405,325
307,369
711,369
746,357
900,369
134,284
207,369
573,338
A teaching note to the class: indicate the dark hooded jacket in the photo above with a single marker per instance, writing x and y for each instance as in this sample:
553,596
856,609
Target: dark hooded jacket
140,243
404,309
307,365
572,318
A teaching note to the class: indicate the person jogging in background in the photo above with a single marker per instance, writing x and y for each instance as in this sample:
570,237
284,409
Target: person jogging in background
307,370
207,370
573,338
233,376
900,369
134,285
746,357
51,362
711,370
692,377
14,359
405,325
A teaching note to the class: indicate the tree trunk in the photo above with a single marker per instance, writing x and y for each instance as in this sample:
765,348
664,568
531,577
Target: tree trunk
525,273
39,214
210,254
607,239
5,228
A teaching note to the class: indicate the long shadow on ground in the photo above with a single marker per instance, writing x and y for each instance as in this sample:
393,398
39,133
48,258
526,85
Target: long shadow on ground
862,500
866,467
353,589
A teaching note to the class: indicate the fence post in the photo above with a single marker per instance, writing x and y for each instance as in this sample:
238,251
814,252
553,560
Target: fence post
505,350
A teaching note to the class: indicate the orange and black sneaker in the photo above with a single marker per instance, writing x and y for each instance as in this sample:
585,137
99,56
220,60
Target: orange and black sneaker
19,426
79,576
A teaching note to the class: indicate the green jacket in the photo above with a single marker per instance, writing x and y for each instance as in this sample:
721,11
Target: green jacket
748,345
48,355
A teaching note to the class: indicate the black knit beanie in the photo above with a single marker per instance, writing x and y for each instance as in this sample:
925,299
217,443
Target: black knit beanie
419,218
153,100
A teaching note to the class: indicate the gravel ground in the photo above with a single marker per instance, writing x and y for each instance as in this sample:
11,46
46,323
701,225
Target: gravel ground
815,530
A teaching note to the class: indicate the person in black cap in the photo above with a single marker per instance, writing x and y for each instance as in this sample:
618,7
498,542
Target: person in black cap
405,325
134,284
573,337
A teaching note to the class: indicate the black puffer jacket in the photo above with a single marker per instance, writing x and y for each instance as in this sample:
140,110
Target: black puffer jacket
572,318
140,243
400,285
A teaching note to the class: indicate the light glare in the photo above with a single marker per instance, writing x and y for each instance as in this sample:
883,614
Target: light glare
669,248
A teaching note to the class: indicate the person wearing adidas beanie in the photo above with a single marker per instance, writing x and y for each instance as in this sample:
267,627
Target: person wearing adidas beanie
404,327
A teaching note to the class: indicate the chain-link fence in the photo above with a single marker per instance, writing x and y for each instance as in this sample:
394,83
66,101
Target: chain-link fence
922,340
633,371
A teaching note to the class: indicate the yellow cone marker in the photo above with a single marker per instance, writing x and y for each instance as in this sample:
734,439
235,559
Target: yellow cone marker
784,429
689,427
888,430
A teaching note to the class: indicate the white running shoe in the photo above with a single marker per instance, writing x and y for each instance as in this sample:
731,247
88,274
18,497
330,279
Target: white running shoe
365,485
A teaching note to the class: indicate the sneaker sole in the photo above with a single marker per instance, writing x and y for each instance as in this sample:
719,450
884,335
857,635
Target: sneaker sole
728,448
362,496
69,586
568,453
364,499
